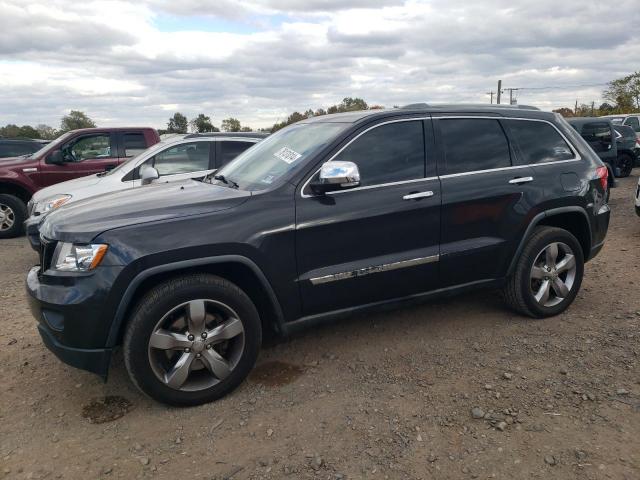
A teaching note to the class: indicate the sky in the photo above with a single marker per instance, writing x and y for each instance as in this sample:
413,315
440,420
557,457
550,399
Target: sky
138,62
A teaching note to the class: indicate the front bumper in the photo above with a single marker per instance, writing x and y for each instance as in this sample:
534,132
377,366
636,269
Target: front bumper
32,227
73,318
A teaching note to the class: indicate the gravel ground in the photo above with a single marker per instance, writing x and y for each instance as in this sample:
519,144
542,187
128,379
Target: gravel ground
393,395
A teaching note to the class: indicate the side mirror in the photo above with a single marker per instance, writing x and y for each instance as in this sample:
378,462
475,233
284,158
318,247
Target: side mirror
55,158
336,176
148,174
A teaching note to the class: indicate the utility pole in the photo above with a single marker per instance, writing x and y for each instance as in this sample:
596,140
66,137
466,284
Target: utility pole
491,93
511,90
499,91
593,104
576,109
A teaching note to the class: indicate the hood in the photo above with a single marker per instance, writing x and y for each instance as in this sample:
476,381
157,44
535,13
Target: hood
82,221
73,187
9,162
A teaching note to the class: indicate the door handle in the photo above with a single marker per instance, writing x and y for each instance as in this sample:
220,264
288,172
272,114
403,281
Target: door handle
418,195
520,180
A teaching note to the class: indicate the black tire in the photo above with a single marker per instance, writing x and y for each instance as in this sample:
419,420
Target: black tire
165,298
518,292
13,213
625,164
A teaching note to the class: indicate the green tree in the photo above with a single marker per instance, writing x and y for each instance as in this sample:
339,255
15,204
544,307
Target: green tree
246,129
76,119
202,124
28,131
10,131
231,125
177,124
624,93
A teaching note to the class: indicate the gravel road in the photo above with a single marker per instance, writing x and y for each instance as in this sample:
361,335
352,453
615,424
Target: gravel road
454,389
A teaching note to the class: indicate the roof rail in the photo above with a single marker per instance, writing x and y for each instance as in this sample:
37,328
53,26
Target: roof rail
415,106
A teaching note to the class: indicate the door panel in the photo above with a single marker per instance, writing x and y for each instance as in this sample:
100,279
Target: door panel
367,245
87,155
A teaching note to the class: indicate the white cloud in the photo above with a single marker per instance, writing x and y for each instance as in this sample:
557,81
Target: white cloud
258,60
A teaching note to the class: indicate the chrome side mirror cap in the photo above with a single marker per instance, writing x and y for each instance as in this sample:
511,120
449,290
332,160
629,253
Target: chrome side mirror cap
335,176
148,174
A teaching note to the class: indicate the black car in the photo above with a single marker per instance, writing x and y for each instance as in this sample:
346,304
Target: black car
600,135
627,143
11,147
332,215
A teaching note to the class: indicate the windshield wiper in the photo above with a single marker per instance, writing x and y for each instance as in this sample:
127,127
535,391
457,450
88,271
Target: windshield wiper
226,181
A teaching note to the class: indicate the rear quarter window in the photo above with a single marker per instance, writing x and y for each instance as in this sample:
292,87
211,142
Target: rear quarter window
538,142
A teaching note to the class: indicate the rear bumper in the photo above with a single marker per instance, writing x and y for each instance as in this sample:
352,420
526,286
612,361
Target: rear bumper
32,228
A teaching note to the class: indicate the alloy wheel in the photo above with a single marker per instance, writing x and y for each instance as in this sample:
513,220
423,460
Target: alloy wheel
7,217
196,345
553,274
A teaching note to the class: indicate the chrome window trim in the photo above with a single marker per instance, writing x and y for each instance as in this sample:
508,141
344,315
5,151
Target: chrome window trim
576,154
386,267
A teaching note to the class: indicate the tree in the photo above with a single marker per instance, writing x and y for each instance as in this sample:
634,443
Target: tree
606,108
231,125
46,132
76,119
625,93
202,124
177,124
348,104
10,131
246,129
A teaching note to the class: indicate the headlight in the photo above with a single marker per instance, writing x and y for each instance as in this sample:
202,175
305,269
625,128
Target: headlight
69,257
50,203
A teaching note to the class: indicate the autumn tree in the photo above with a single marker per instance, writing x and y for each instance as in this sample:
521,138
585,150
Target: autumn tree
624,93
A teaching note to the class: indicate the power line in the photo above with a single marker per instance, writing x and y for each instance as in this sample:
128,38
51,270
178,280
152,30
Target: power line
551,87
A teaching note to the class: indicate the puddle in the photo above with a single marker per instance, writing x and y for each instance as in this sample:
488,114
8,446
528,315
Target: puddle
275,373
106,409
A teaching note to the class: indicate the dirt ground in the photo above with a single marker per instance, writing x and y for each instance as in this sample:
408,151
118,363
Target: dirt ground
390,395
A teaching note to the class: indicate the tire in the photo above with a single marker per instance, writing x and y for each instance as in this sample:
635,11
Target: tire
165,347
13,213
522,286
625,163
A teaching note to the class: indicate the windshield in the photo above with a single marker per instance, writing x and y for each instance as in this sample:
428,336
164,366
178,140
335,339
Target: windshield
52,145
269,161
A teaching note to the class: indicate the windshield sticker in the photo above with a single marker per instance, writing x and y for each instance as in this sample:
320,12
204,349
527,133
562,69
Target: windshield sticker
268,179
287,155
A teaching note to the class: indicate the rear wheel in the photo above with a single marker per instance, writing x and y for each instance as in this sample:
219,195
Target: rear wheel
13,213
548,274
192,339
625,164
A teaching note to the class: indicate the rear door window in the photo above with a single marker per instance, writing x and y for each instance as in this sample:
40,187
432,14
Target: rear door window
538,142
598,135
389,153
134,144
473,144
229,150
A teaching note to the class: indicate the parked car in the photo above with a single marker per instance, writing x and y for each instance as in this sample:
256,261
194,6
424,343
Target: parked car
16,147
330,216
626,144
631,120
75,154
600,135
178,158
637,198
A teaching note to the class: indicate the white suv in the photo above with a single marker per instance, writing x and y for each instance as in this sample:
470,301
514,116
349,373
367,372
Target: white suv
178,158
631,120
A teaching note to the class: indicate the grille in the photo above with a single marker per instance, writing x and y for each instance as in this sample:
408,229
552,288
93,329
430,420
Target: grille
47,247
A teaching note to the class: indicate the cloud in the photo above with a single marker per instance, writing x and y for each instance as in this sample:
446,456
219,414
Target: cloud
261,59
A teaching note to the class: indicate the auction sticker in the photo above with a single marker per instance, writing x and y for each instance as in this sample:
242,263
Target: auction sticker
287,155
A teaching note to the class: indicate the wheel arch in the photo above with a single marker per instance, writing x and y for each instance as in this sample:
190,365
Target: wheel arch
573,219
237,269
12,188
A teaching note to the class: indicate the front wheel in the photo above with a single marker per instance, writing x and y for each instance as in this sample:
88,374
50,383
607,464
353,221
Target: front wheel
548,274
192,340
13,213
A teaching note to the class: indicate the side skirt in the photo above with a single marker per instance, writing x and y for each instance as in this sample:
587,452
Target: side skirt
394,303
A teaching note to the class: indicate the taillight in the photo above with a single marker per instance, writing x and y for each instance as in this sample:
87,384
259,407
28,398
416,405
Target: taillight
603,174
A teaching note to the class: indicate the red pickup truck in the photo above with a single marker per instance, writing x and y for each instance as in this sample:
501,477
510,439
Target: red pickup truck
77,153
